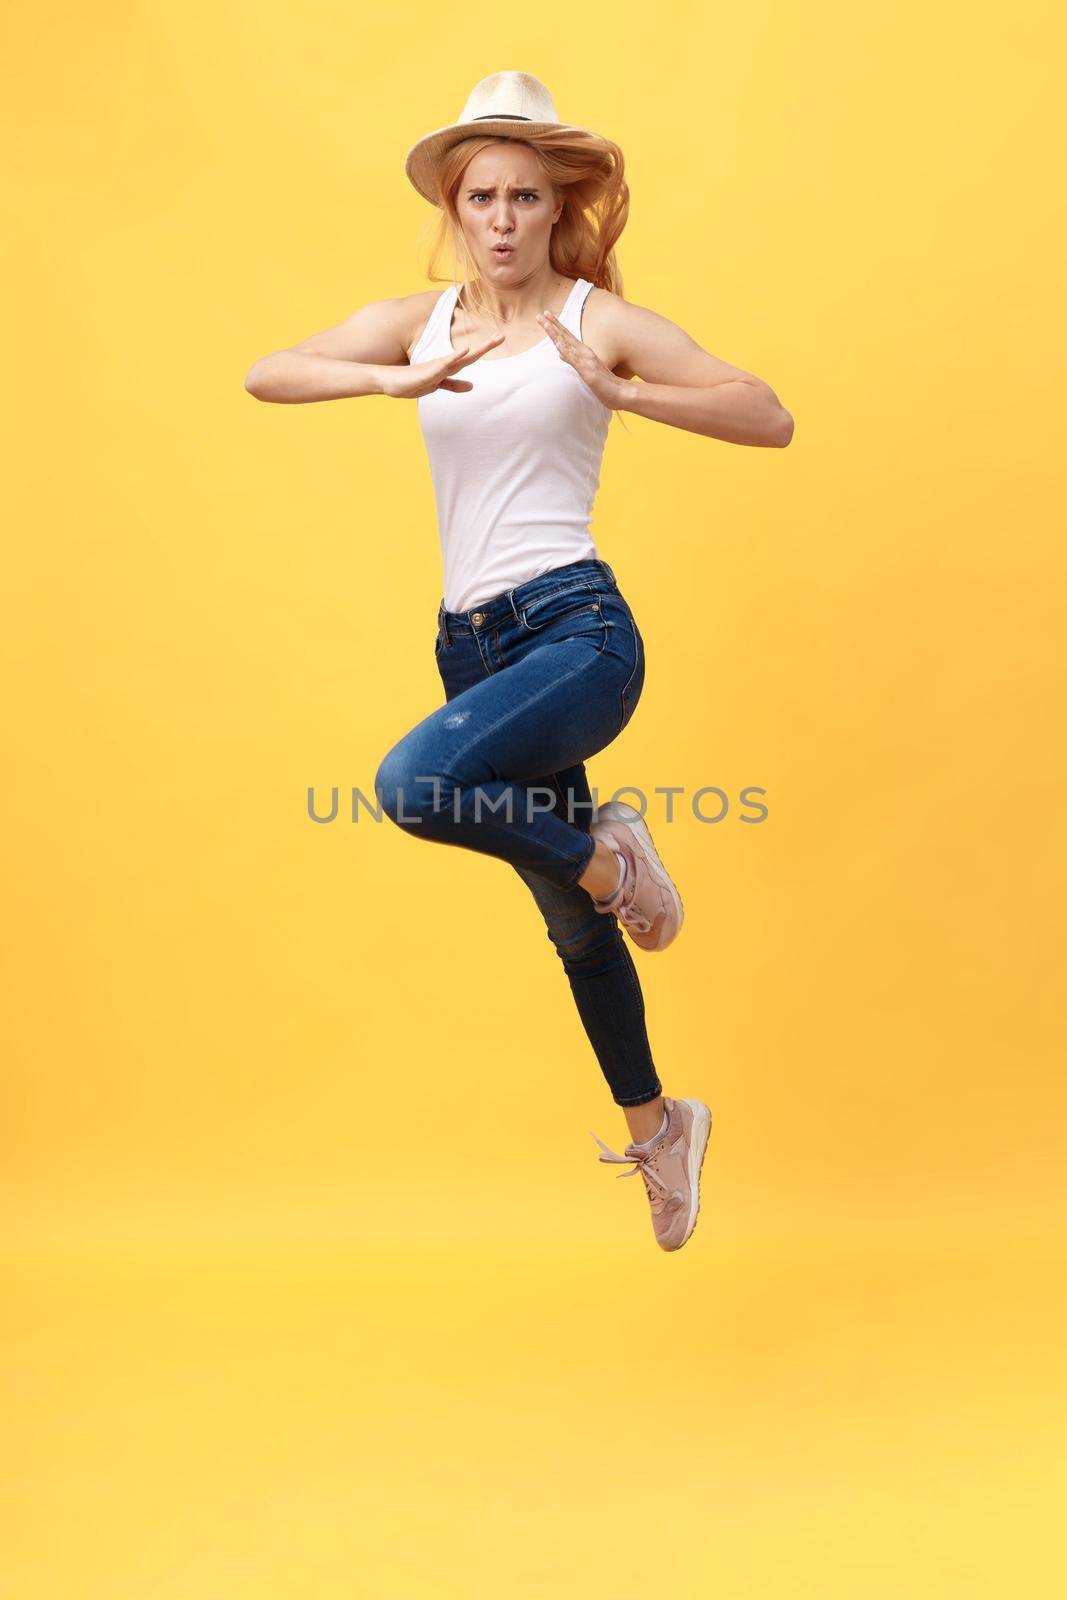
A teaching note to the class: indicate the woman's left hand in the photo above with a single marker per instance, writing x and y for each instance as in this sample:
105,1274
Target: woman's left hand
605,384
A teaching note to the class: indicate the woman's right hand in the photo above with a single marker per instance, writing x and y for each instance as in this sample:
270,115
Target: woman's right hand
408,383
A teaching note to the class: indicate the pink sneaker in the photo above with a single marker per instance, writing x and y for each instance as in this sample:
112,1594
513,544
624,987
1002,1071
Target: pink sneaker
646,902
671,1169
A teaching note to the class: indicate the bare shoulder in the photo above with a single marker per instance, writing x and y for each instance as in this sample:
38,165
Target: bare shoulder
637,342
603,316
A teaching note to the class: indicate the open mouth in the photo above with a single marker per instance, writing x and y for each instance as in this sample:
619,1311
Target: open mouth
503,249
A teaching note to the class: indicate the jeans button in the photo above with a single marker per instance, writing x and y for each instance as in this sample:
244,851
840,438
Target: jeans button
478,617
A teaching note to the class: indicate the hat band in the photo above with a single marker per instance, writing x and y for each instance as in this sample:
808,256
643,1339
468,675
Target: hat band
500,116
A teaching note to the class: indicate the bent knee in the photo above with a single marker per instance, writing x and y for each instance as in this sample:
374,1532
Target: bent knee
407,795
393,785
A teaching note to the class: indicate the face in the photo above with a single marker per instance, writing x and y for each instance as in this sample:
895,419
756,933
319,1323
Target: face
504,199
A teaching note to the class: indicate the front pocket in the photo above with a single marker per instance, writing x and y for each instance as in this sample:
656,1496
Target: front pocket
550,608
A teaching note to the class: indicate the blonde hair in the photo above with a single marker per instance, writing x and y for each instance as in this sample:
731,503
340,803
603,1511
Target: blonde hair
586,170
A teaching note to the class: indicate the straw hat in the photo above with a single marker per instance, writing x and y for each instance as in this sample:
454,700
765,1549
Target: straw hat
505,102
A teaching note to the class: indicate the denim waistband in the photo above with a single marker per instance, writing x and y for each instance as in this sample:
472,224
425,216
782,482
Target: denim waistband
507,605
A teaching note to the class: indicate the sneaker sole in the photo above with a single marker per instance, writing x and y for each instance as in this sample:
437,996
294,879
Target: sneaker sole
697,1148
619,811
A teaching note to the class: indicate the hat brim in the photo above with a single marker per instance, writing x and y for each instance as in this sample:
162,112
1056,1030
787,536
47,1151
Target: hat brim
421,162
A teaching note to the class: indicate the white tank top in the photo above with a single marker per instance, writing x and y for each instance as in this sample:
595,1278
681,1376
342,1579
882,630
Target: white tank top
515,460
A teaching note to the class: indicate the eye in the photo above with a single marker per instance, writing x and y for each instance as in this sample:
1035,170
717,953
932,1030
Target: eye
481,193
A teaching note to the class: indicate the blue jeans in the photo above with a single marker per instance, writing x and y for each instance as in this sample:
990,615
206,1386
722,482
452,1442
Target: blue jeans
536,680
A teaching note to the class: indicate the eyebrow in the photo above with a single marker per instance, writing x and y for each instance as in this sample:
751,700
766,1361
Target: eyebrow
491,188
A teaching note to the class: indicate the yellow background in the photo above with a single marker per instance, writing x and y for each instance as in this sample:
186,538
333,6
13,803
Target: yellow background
316,1286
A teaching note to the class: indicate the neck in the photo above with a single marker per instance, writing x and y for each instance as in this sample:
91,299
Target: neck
521,299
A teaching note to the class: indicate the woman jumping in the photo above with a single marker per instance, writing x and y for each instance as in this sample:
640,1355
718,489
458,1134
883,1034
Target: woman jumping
539,654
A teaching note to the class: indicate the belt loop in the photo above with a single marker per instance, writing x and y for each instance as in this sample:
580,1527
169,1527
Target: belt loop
442,623
514,607
607,569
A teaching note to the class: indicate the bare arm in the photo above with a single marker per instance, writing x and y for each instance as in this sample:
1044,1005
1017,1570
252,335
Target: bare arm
687,387
682,383
340,363
736,410
365,354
